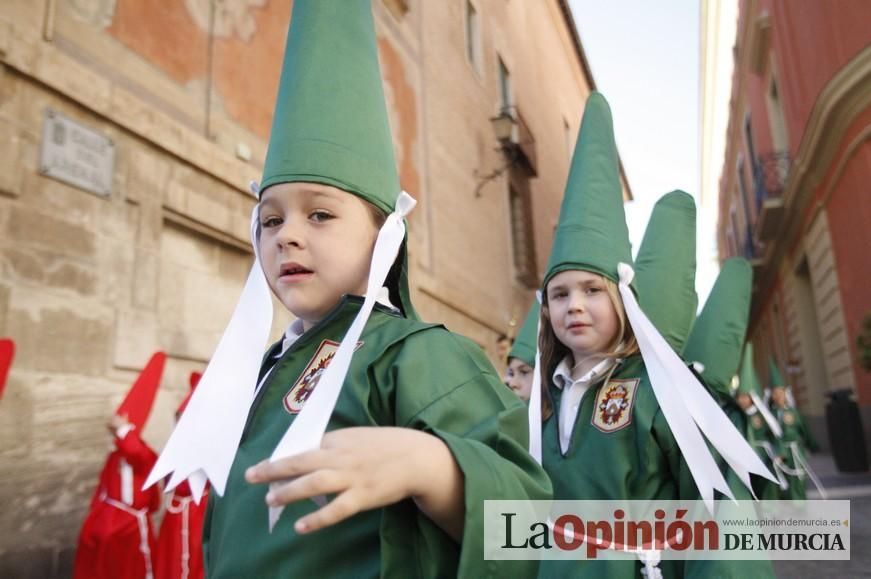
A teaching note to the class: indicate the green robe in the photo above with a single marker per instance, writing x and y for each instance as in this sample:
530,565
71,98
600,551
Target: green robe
762,487
759,435
796,440
756,568
404,373
640,461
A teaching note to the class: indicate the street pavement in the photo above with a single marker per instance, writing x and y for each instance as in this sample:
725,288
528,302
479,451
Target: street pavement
855,487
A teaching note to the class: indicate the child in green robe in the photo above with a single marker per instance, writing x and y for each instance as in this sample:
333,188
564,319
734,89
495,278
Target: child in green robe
714,348
521,358
607,437
760,427
421,430
795,442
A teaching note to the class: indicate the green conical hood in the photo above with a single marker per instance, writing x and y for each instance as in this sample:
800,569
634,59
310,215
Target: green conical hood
718,333
330,124
749,382
775,380
525,344
592,233
665,268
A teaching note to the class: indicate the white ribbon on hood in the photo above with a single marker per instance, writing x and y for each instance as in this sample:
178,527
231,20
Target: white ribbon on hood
766,414
203,444
535,397
688,407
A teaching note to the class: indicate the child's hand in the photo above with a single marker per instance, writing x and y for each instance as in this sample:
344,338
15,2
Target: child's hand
117,422
369,468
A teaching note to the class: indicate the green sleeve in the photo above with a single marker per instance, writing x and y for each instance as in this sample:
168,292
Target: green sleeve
442,384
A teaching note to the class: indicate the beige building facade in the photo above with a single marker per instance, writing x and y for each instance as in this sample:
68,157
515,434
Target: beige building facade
149,249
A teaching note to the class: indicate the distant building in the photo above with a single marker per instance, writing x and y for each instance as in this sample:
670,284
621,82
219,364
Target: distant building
794,193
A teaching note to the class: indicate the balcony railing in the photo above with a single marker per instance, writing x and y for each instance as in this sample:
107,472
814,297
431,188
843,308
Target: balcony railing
770,174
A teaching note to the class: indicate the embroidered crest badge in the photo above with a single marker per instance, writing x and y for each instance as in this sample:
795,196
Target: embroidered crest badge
756,421
295,398
788,418
614,401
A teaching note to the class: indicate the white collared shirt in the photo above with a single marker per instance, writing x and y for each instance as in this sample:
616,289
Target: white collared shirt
571,396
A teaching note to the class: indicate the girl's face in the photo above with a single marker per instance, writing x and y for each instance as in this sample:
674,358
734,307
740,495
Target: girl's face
581,313
315,245
518,377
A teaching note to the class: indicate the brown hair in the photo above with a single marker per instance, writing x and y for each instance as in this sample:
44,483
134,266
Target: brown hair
553,351
378,216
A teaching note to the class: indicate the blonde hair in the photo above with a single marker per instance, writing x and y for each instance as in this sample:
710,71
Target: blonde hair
553,351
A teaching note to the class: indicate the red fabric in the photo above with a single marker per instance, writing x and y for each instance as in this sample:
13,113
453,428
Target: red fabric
110,540
7,352
139,400
169,559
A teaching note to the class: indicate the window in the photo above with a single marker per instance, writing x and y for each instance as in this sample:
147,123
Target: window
776,117
473,37
522,239
505,98
741,177
748,138
736,230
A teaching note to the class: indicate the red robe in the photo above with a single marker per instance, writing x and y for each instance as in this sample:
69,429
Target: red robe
117,538
179,552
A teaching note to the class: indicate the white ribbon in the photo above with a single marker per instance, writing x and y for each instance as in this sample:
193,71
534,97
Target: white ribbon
650,560
307,430
688,407
775,462
203,444
799,460
534,412
126,482
766,414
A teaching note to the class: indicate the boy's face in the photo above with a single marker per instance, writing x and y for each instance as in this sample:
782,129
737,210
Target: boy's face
518,377
581,312
744,401
778,396
315,245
